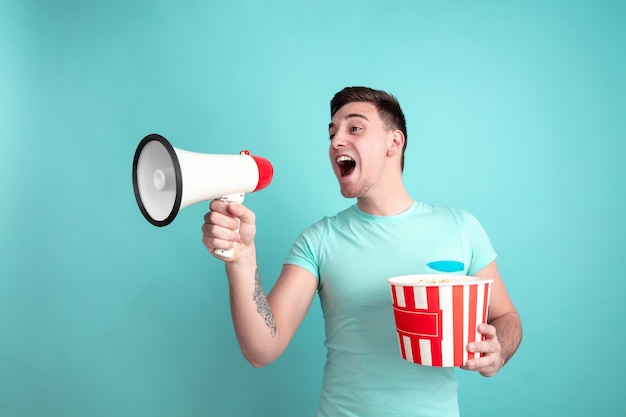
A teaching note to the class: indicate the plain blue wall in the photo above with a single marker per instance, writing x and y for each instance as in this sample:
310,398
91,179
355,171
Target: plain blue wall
516,112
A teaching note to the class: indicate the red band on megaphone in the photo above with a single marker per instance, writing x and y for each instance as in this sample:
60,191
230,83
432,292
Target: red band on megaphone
266,172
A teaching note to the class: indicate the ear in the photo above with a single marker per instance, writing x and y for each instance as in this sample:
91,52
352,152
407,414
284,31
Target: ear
396,143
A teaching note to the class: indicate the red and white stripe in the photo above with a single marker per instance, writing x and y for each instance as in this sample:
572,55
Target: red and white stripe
425,317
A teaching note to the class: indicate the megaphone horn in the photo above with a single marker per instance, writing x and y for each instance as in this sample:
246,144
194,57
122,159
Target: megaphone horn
167,179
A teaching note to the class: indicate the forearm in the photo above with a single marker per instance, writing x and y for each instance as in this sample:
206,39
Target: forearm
509,332
253,320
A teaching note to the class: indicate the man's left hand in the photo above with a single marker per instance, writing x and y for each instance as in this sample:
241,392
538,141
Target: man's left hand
491,360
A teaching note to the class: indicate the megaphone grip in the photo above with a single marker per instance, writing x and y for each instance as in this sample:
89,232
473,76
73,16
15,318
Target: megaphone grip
232,198
228,253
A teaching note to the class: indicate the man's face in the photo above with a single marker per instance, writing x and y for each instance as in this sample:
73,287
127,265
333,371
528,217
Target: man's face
358,148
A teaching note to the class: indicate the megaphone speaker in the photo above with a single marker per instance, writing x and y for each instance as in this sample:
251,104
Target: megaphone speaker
167,179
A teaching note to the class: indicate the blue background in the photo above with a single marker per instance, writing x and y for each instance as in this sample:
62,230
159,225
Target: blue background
516,112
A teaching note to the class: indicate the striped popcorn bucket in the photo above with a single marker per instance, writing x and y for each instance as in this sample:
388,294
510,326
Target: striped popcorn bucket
437,315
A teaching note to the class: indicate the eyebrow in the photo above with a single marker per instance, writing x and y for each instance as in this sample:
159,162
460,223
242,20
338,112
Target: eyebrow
350,116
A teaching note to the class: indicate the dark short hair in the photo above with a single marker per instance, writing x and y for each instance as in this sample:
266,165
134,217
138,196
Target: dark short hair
387,105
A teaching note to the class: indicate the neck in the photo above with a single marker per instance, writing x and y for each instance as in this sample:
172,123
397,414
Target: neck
389,203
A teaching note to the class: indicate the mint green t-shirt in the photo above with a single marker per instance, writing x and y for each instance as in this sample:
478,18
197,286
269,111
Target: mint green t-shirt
352,254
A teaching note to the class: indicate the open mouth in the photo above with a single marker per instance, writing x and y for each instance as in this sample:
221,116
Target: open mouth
346,165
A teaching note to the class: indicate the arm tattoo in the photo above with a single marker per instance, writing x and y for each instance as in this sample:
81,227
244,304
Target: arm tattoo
262,307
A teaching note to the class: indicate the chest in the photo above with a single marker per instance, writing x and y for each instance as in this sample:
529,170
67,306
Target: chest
358,259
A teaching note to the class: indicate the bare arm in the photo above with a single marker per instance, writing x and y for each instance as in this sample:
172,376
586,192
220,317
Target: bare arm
503,333
264,325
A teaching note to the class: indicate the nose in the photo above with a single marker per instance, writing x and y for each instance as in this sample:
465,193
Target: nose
338,141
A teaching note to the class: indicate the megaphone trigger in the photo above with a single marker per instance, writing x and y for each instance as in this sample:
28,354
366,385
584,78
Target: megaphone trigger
234,198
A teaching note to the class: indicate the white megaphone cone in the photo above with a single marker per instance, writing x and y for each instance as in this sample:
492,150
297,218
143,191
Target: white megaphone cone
167,179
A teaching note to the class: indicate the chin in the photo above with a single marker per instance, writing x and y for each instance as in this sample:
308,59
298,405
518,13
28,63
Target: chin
349,193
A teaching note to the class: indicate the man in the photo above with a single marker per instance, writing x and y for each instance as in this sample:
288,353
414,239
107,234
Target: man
347,258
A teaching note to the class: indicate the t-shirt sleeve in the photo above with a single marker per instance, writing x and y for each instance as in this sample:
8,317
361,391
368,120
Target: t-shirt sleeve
305,250
481,250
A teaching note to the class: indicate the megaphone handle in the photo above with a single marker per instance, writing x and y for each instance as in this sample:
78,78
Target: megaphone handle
231,198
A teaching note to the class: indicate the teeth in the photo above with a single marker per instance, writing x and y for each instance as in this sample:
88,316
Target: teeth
344,158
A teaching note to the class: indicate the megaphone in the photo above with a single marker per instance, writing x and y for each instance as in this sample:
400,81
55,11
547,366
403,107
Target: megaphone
167,179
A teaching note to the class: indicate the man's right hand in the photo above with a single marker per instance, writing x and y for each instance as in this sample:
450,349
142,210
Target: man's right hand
228,226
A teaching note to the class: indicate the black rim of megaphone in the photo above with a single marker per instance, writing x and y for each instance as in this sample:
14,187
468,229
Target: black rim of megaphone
179,179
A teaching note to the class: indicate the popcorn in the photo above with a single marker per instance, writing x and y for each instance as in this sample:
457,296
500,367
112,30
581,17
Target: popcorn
438,279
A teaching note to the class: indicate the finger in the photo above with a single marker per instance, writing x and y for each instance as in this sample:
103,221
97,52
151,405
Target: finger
485,359
485,346
487,329
216,237
482,364
216,231
222,220
219,206
213,244
244,214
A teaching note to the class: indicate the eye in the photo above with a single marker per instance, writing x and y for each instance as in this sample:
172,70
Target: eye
355,128
331,136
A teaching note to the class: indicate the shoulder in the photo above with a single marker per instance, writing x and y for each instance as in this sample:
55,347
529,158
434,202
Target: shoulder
459,214
440,215
341,217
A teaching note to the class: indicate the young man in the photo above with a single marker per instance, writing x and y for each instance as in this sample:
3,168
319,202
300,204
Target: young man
347,258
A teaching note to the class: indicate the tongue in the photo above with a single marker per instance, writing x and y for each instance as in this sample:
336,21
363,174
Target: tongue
346,168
